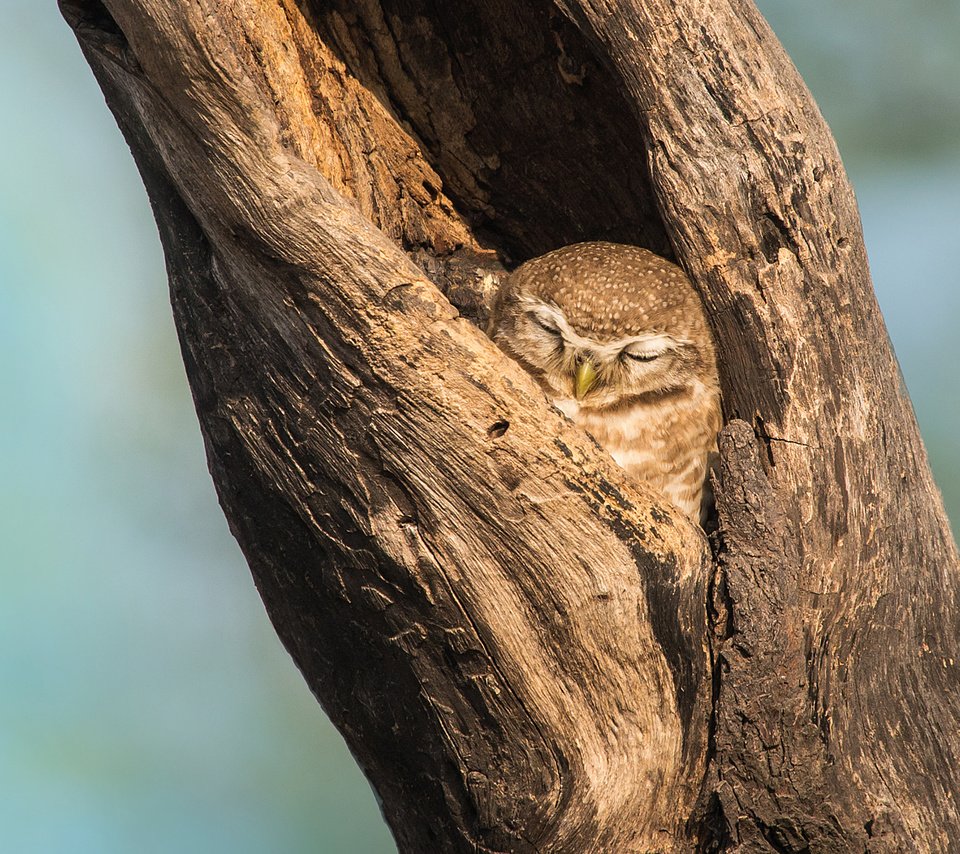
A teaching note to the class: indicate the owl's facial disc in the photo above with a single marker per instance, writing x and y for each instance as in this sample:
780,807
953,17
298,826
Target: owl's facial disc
607,371
598,373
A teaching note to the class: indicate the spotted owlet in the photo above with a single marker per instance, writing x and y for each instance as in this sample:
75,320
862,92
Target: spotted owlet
617,338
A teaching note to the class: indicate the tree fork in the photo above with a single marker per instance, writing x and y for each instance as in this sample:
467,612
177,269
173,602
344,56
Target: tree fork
524,650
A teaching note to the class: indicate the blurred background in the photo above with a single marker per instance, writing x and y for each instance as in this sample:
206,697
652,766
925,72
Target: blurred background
145,703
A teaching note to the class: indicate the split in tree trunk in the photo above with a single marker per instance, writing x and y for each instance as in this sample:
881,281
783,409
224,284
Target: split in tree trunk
525,650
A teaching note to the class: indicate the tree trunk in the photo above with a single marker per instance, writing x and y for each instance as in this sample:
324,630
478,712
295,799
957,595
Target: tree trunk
526,651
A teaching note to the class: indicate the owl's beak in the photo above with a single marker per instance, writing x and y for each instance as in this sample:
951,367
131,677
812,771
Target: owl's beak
584,378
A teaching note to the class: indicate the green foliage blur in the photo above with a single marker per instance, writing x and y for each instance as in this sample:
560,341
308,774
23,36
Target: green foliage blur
146,704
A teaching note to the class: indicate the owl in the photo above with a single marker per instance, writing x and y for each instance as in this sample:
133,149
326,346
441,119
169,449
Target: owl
617,338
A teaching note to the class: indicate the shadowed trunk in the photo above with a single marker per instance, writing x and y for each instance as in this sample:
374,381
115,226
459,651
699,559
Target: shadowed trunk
524,650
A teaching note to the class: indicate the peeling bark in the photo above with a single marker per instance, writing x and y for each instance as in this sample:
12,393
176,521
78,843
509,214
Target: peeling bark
524,650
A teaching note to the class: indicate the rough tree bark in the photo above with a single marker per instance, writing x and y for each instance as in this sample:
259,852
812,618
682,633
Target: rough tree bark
525,651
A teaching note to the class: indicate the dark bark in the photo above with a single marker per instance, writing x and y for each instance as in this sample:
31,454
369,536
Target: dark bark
525,651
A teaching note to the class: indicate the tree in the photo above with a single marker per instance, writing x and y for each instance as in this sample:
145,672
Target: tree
524,650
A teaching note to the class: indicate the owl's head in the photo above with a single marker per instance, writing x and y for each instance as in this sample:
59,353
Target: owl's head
605,324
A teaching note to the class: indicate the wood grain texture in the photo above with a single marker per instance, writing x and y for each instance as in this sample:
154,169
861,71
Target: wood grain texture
864,735
525,651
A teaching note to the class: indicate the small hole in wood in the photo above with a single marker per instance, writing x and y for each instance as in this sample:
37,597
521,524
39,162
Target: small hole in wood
497,429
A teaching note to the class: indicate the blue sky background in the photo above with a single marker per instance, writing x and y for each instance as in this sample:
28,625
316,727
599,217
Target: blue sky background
146,704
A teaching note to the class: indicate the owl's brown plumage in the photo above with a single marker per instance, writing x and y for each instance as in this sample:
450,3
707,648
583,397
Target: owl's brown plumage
617,338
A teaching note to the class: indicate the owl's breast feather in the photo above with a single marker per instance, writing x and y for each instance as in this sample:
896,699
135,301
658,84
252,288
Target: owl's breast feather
568,406
665,443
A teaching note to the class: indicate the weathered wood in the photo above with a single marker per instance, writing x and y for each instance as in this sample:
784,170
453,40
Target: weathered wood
846,706
525,651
